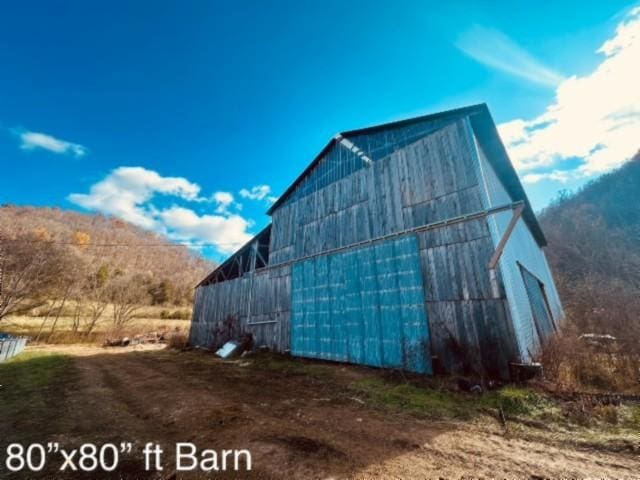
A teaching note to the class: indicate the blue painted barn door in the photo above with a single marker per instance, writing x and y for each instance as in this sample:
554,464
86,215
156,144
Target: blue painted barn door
363,306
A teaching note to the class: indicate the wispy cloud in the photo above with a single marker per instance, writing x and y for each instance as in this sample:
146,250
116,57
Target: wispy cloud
128,192
496,50
562,176
594,118
259,192
36,140
225,201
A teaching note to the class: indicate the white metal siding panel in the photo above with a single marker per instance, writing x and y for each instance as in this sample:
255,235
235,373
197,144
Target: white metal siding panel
539,304
522,248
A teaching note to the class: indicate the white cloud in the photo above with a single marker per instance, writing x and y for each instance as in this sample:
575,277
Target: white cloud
224,200
595,117
228,233
126,190
626,35
494,49
259,192
557,175
127,193
33,140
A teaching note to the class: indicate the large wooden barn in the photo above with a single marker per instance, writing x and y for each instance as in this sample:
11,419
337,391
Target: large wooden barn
409,245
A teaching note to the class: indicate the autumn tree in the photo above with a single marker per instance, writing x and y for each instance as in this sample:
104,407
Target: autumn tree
162,292
594,253
42,233
32,272
126,248
96,296
81,239
127,294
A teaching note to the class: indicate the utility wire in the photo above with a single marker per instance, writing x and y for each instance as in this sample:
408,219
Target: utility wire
78,244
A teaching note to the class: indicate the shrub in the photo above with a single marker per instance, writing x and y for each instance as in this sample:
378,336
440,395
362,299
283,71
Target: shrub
178,340
608,413
512,400
572,363
175,314
635,416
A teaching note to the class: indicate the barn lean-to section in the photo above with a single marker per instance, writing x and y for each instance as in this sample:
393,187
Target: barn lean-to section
379,254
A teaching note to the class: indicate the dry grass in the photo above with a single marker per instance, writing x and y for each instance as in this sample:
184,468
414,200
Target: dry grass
574,364
30,326
178,340
147,311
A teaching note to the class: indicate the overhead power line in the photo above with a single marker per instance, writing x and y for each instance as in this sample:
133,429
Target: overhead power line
80,244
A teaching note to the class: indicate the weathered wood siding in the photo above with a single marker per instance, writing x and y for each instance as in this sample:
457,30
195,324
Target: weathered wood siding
470,326
337,162
11,346
431,179
260,303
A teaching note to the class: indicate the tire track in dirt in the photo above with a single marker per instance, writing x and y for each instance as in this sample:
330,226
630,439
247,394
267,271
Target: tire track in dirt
290,428
298,426
95,413
156,405
327,435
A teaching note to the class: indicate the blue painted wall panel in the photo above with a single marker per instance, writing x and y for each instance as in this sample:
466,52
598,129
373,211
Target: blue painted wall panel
363,306
336,294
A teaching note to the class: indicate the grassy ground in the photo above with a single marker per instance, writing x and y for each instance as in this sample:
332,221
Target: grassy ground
29,373
446,403
30,394
526,412
306,419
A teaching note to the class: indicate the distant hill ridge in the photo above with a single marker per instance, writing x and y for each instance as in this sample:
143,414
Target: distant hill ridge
97,239
594,250
602,217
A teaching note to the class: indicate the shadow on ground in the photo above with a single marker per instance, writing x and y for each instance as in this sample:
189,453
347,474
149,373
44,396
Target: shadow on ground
299,419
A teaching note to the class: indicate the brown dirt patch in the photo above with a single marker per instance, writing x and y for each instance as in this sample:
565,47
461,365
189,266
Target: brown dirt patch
296,423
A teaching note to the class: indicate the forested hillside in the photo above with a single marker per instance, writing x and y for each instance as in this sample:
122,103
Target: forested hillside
594,251
93,260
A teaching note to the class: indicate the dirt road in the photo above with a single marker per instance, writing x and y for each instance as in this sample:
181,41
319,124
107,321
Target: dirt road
296,424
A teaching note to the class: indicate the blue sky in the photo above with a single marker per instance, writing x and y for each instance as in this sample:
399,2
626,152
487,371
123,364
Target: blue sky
188,118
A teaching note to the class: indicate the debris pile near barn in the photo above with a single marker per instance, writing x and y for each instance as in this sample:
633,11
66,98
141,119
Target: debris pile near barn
140,339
